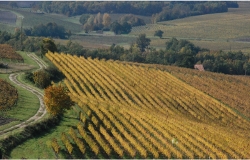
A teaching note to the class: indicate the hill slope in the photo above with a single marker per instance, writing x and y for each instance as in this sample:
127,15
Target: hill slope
231,90
131,111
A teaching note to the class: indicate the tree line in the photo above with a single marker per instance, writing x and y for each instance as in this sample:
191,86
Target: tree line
176,10
159,11
181,53
50,29
104,22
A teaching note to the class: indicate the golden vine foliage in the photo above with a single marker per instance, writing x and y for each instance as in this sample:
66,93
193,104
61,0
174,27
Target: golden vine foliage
232,90
140,111
57,100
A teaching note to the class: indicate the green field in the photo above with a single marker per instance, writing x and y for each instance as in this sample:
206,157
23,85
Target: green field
27,104
214,31
31,19
26,107
220,31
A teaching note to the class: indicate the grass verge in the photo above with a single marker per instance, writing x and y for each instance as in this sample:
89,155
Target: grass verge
26,107
37,147
27,59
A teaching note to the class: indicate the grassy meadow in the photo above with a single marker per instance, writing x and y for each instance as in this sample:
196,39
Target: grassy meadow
37,147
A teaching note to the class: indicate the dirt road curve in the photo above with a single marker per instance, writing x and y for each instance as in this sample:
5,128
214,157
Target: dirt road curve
41,111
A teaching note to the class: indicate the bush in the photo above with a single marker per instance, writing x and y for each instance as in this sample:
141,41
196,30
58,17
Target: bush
28,76
41,78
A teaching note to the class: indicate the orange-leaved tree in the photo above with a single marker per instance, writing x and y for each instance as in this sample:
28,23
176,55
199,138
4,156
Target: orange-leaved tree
57,100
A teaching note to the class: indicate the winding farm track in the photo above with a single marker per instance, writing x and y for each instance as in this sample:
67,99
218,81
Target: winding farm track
41,111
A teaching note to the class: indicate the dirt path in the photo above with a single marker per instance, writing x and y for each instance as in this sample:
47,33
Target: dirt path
41,111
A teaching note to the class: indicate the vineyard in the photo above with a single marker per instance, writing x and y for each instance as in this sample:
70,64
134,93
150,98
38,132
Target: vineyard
7,17
232,90
133,111
7,52
8,96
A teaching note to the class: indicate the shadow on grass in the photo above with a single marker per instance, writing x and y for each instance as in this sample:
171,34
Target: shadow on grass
33,131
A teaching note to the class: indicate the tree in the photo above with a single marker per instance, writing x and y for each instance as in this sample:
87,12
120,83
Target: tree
132,20
126,28
41,78
98,22
88,26
84,18
116,27
142,42
47,45
246,66
57,100
159,33
13,4
106,20
98,19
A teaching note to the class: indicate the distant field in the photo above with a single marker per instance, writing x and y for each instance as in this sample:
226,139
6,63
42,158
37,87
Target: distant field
221,31
227,25
7,17
100,41
213,31
32,19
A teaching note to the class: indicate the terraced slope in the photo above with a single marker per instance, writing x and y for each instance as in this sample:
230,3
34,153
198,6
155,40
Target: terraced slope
131,111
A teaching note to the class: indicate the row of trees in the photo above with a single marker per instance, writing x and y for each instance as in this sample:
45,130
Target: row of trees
184,9
98,22
83,7
225,62
103,22
146,8
178,52
181,53
51,29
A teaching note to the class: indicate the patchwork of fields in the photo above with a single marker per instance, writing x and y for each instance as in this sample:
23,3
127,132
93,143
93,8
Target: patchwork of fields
221,31
131,110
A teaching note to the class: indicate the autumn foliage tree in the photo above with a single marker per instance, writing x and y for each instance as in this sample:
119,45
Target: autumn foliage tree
57,100
106,20
47,45
9,95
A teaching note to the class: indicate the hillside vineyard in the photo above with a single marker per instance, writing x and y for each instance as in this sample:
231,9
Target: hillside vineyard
131,111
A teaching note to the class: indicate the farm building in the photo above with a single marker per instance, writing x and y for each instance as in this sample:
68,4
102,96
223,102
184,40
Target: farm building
199,67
